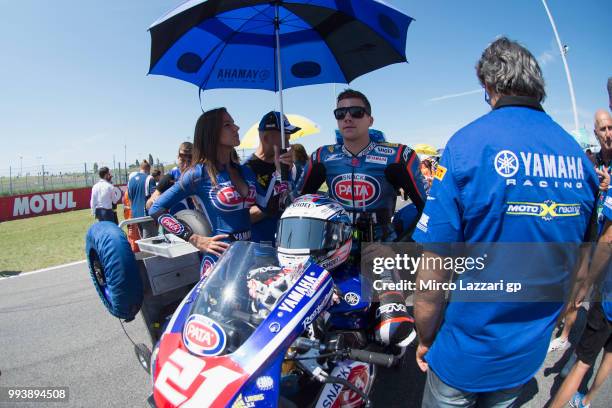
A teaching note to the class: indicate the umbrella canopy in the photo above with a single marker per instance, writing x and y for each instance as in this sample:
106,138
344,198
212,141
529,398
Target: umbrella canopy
308,127
425,149
268,44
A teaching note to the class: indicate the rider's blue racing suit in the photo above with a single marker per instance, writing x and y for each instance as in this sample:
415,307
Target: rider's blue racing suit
367,185
367,182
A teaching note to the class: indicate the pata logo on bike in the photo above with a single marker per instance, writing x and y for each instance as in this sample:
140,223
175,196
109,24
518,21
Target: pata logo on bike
203,336
171,225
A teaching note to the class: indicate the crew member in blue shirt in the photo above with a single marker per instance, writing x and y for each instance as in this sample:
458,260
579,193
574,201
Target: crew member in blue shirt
511,176
140,187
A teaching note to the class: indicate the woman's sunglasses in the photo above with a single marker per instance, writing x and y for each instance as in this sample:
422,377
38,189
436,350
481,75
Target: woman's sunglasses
356,112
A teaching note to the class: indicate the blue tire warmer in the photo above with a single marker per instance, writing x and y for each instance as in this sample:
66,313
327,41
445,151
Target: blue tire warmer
114,270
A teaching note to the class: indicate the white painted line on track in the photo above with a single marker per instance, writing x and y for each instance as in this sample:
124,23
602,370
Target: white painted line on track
52,268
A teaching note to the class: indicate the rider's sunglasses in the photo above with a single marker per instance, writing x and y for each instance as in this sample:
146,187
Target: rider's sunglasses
356,112
185,156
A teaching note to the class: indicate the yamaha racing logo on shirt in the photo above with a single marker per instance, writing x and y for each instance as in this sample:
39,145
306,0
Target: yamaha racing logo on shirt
203,336
359,190
225,197
539,170
171,224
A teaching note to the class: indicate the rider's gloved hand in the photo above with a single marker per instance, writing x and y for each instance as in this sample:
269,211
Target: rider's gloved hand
394,325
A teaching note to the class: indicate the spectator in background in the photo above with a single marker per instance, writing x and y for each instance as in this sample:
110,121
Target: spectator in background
598,331
262,163
590,155
300,158
103,197
602,128
140,188
156,174
603,159
482,353
183,162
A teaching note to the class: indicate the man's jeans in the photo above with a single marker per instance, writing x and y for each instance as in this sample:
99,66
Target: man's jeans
437,394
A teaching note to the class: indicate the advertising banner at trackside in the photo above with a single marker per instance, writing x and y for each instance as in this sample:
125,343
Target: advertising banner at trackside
44,203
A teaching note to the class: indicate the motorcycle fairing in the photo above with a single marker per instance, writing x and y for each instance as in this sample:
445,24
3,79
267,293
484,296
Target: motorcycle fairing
263,388
187,384
335,395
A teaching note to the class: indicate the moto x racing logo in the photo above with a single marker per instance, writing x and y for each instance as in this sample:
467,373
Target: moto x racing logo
546,210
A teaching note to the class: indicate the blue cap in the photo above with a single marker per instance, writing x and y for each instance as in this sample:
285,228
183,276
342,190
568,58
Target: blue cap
271,121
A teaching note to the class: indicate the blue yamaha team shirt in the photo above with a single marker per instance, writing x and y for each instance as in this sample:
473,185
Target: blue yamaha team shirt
511,176
140,187
606,286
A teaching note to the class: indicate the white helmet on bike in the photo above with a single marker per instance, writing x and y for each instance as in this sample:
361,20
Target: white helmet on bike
314,226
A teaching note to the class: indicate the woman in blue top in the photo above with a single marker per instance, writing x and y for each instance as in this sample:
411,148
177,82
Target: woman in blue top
224,188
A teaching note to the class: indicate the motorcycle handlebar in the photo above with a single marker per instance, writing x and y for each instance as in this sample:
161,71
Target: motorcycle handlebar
371,357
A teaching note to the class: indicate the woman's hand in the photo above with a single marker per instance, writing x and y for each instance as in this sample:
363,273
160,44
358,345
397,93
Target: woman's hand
213,245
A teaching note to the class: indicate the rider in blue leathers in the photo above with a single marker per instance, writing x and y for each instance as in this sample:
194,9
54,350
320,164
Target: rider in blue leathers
365,176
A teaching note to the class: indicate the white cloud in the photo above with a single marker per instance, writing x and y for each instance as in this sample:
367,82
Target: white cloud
443,97
546,57
550,54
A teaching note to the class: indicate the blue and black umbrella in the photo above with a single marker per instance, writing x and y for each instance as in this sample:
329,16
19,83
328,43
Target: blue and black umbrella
276,44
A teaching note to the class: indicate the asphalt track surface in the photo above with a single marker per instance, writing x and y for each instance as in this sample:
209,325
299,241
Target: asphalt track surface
54,331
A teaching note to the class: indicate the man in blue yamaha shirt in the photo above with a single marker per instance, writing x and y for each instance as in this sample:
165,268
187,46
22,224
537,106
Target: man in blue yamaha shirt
365,176
511,176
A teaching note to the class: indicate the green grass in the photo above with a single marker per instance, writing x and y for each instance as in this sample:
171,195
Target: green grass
40,242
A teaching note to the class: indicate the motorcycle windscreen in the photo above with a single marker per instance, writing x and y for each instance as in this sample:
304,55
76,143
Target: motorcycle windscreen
224,311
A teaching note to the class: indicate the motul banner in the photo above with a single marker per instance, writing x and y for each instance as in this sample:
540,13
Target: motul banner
36,204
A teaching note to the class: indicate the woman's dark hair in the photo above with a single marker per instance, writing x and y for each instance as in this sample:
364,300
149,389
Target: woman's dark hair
206,140
299,153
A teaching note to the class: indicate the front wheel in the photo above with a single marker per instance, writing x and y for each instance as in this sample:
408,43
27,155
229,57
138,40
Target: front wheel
144,356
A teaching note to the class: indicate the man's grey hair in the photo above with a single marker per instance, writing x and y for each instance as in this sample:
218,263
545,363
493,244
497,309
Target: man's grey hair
510,69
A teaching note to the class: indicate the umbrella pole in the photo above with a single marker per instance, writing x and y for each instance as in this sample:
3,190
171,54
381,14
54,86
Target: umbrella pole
279,74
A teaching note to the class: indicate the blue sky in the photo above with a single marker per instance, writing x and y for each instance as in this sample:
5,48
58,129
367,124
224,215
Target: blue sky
74,84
